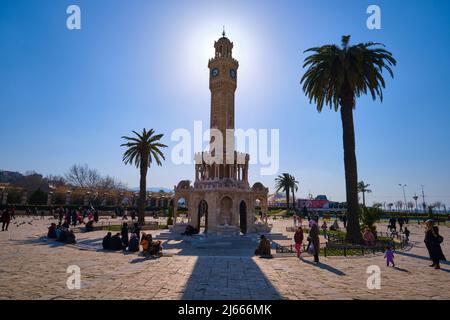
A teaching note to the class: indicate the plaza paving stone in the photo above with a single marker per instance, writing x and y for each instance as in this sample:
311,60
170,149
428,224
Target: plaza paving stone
31,268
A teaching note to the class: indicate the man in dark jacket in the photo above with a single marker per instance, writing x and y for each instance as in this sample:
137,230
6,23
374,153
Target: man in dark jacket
6,218
314,238
134,243
116,242
433,242
107,242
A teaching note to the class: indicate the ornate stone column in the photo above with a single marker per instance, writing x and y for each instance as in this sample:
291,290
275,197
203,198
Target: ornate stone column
4,196
49,198
175,208
24,199
68,197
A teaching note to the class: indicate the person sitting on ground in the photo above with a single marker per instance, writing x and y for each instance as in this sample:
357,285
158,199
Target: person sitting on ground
144,242
369,238
63,235
134,243
116,242
190,230
155,247
89,226
264,247
107,240
124,234
52,231
334,226
66,224
71,239
137,231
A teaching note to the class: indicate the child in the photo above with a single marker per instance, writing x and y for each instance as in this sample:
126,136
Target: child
324,229
406,232
298,239
389,256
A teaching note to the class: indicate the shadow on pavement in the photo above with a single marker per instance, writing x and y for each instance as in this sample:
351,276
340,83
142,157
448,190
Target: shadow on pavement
324,266
416,256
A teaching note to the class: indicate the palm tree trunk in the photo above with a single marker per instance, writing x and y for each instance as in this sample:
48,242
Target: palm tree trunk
364,199
293,199
287,199
142,192
351,173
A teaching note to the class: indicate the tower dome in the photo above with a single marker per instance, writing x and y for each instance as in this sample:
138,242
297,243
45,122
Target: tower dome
223,47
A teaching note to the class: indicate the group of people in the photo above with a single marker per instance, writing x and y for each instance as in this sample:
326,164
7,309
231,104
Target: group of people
313,246
76,216
121,212
122,241
61,233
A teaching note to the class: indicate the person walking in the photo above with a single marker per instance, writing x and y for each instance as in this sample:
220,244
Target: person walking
298,239
406,232
389,256
324,228
313,237
344,220
433,242
6,218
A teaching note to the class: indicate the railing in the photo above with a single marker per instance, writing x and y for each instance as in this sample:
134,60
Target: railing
337,246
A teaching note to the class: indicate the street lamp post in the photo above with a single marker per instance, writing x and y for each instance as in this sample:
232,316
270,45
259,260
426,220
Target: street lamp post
404,194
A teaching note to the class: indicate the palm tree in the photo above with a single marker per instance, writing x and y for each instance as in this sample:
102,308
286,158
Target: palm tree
438,205
399,205
142,149
294,188
390,206
363,188
283,183
336,76
410,205
415,199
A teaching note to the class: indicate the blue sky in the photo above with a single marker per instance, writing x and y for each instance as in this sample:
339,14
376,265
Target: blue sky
68,96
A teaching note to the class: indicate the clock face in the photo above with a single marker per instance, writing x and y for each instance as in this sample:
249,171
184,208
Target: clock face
233,73
215,72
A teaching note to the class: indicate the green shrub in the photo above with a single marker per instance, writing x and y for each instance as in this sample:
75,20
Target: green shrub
369,216
39,196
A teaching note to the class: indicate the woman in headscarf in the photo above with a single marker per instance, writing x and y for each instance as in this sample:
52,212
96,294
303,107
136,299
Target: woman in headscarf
314,238
264,247
369,238
433,242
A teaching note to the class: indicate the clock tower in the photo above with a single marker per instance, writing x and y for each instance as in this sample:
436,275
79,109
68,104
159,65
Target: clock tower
220,201
222,83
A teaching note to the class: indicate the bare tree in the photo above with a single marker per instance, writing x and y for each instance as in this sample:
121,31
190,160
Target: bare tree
55,180
78,175
438,205
84,177
410,205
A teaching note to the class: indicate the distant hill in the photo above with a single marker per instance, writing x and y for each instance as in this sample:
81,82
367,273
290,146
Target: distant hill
9,176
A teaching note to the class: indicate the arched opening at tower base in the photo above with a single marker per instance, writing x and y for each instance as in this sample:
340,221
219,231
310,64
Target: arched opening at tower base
202,216
243,217
226,205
